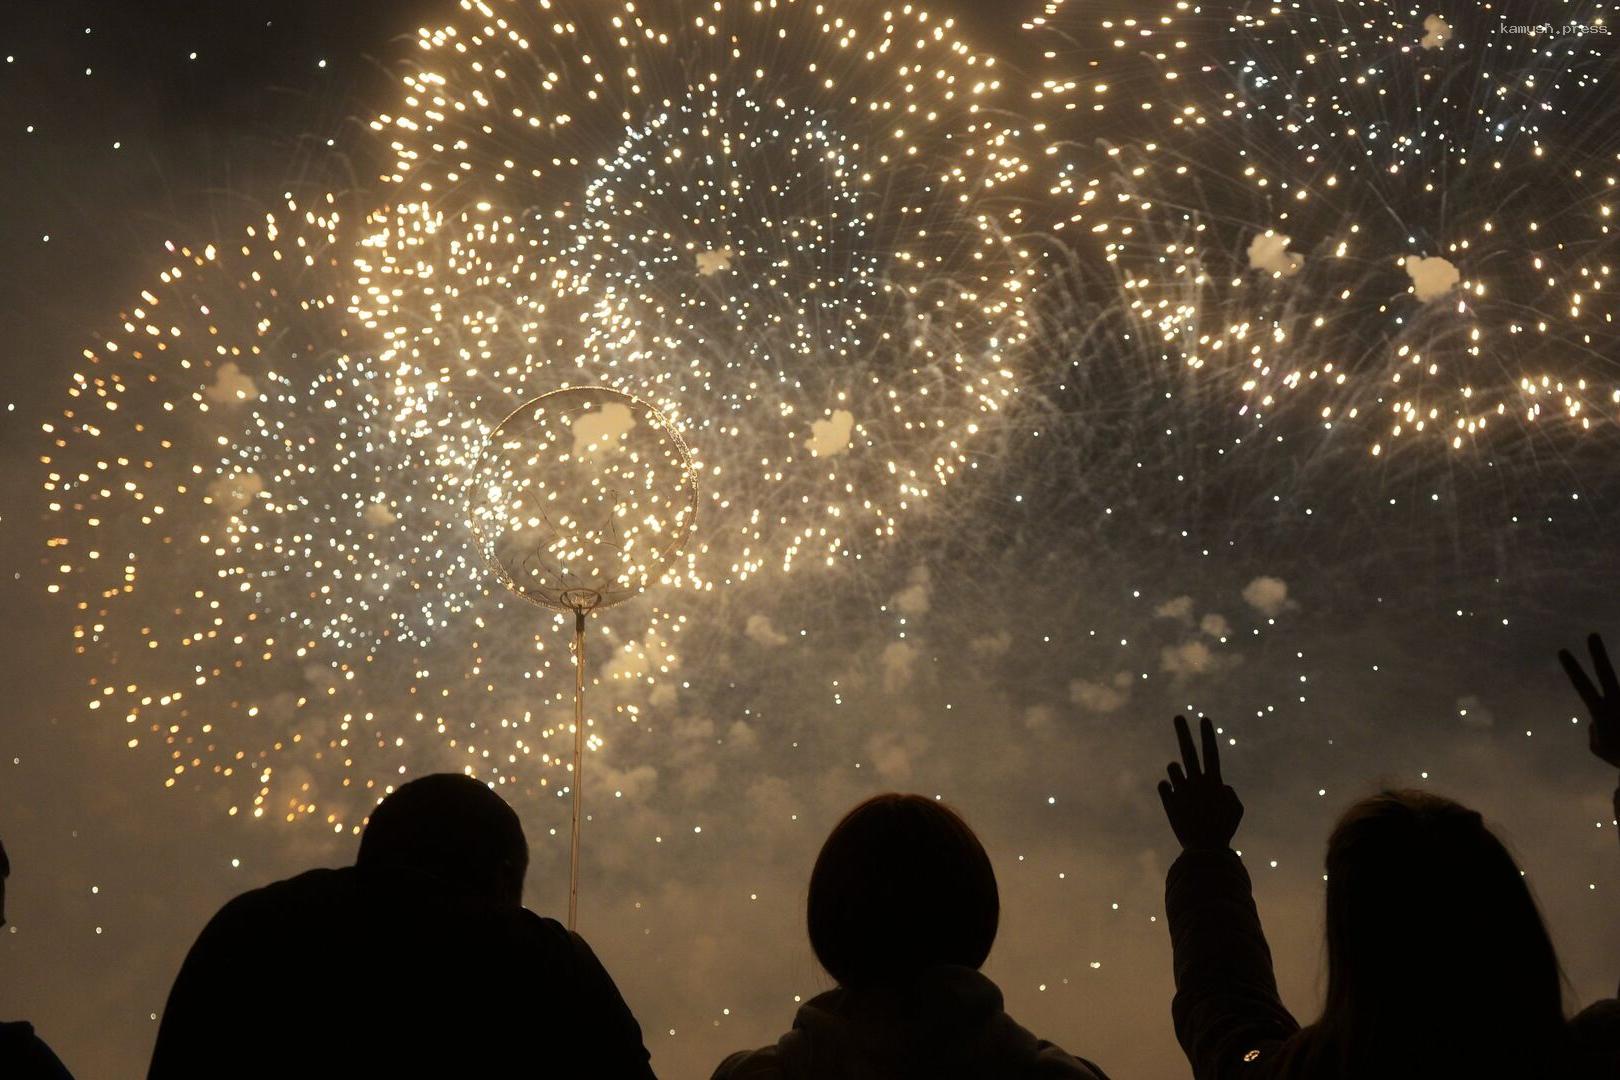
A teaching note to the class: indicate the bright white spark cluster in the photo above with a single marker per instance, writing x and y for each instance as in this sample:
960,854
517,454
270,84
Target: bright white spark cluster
1358,213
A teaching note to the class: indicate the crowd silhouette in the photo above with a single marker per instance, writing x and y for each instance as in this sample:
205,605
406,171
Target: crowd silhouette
420,959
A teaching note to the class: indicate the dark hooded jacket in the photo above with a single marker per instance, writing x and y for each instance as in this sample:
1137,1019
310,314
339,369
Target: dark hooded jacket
1229,1017
949,1024
377,973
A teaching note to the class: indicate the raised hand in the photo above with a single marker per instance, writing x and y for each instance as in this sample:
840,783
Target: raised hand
1602,699
1203,810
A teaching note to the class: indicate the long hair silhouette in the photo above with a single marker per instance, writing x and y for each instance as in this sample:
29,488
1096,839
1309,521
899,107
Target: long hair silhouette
1438,960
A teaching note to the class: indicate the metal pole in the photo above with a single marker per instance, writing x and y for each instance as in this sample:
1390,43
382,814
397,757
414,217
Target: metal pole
579,764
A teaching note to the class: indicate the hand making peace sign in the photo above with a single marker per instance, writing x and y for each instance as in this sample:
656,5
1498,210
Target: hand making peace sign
1203,810
1602,699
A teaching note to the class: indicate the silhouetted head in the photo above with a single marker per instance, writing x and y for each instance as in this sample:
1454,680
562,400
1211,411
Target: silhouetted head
1435,946
902,884
5,872
453,830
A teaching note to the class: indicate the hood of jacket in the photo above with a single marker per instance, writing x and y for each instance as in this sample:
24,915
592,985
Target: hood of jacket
948,1022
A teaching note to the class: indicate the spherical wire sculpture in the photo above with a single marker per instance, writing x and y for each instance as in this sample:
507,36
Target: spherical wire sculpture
579,497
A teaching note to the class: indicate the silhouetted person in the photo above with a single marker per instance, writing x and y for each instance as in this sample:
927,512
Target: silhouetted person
23,1055
1438,962
418,960
903,910
1602,699
1598,1027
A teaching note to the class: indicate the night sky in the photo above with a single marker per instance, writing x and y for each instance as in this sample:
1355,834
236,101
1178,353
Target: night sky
1131,536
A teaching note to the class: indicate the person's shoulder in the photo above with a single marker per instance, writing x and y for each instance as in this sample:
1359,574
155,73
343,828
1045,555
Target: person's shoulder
1039,1059
312,889
318,885
1599,1016
1595,1032
804,1050
535,923
15,1036
1054,1063
762,1064
535,927
24,1054
540,936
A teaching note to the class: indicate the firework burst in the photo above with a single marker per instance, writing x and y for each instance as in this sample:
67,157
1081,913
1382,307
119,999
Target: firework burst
1362,215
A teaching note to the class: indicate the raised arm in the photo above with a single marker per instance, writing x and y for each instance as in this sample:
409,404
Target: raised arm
1602,699
1227,1011
1596,1029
